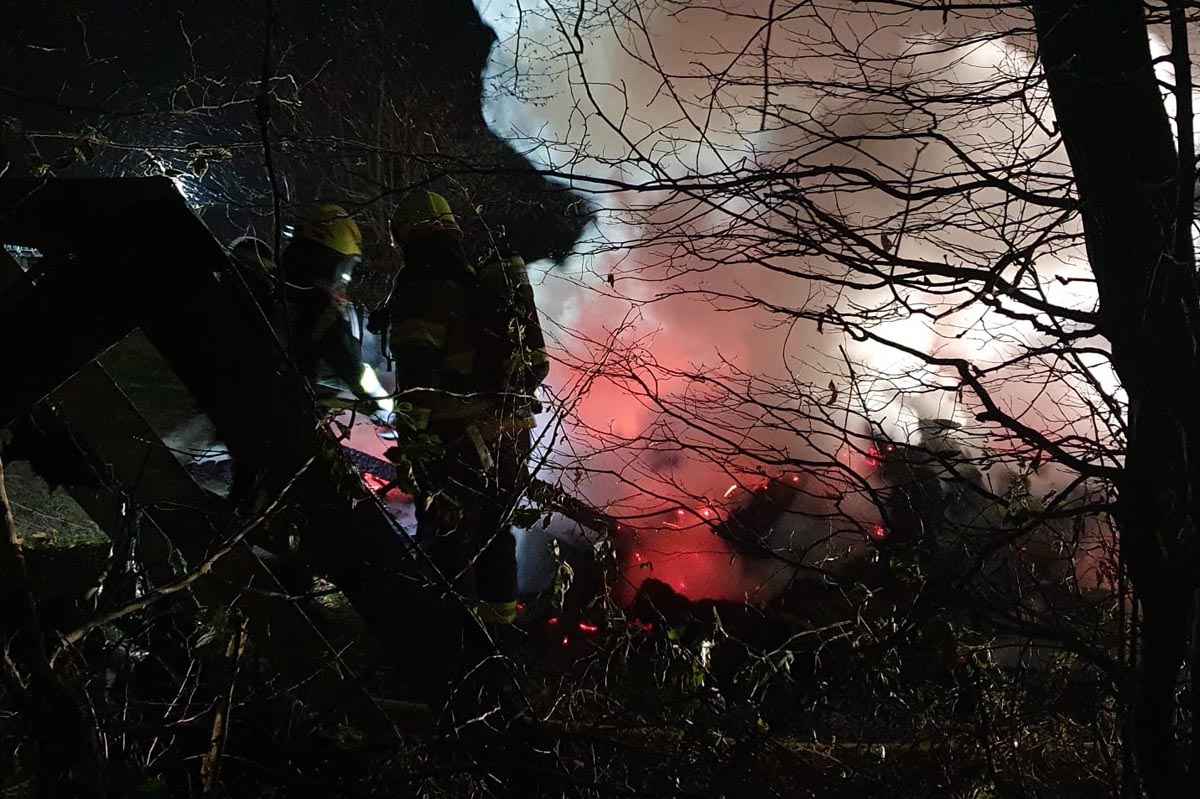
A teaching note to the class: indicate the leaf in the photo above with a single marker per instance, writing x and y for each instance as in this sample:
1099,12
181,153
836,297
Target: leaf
886,241
833,393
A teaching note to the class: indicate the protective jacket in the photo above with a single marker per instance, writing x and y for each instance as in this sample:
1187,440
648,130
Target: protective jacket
467,343
319,331
517,341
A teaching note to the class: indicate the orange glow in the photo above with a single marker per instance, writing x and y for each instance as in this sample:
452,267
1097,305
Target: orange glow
377,484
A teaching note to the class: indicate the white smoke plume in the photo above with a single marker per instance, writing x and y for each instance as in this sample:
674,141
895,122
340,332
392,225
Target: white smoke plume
664,287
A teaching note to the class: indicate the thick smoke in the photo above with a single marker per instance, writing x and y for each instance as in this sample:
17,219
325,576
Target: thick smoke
694,353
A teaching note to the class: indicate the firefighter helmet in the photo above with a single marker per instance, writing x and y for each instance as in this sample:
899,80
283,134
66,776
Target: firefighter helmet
332,226
422,212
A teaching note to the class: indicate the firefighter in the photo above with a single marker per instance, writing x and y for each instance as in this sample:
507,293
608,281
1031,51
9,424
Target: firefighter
317,266
469,355
255,262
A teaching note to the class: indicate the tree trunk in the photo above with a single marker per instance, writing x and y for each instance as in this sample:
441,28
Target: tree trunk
1115,128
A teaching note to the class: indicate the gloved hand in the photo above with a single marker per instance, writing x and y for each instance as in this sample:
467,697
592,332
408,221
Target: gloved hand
379,320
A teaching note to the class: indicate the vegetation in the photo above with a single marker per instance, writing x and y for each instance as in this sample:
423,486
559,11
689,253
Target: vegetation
868,455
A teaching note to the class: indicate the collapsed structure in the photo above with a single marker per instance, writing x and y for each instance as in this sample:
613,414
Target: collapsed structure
127,254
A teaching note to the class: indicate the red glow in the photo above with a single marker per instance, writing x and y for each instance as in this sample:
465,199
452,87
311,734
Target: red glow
588,628
520,606
374,483
688,550
879,532
377,484
566,641
639,626
873,457
553,621
691,559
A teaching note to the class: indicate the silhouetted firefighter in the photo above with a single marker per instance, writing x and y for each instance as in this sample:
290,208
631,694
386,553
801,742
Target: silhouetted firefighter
469,355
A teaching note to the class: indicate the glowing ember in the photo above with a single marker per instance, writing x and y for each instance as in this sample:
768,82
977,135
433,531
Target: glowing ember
873,457
377,485
374,483
879,532
588,628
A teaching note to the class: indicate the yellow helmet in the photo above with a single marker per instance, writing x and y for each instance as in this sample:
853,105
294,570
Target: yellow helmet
332,226
422,212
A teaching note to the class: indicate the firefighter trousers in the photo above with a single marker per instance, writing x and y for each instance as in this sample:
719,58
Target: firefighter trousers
464,507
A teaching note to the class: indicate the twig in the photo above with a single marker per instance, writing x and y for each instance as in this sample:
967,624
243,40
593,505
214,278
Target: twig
210,766
263,110
175,586
766,56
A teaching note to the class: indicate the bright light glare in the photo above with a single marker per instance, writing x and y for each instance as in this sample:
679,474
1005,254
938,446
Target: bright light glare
370,384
